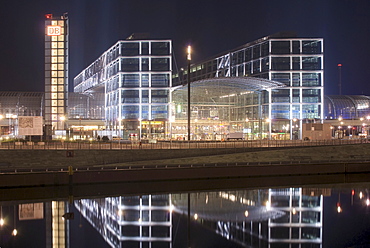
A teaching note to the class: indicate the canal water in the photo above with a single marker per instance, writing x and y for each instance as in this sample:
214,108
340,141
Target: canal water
335,216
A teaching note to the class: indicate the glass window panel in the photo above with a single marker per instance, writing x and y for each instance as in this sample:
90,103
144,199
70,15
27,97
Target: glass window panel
280,96
311,63
296,47
160,80
281,77
311,96
130,112
311,47
280,111
145,96
145,80
264,49
256,52
145,64
130,96
296,63
130,80
130,48
160,64
145,48
280,63
129,64
280,47
311,79
160,48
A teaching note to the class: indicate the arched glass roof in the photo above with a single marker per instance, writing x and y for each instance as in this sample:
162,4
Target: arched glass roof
346,106
216,87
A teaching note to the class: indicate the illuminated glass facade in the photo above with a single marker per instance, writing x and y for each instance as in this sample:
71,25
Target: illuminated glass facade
295,62
56,69
135,76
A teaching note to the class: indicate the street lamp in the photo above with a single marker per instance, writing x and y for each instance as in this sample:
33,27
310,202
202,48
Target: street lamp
189,114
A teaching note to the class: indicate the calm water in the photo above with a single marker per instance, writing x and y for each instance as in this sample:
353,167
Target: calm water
279,217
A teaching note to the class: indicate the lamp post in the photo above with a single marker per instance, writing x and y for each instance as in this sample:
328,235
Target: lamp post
189,114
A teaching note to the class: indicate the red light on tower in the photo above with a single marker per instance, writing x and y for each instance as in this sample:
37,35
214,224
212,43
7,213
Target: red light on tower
49,16
339,65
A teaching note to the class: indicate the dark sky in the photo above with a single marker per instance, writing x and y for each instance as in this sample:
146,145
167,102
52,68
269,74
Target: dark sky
210,26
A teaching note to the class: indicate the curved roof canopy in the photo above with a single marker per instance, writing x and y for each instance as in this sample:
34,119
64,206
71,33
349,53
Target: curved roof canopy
229,85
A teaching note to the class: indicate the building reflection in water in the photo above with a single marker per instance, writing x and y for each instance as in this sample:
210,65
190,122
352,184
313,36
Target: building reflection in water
130,221
252,218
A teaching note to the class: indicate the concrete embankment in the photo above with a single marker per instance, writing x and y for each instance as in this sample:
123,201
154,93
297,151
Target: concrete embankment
83,158
135,171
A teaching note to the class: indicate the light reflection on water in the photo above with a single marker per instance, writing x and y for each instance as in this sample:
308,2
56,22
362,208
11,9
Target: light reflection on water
280,217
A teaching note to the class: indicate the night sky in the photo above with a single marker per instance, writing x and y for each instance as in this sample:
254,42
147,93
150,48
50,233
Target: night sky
211,27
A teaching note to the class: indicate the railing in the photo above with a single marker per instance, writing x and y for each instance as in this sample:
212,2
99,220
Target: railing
125,145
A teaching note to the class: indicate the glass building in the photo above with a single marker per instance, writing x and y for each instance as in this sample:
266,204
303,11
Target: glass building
295,62
135,76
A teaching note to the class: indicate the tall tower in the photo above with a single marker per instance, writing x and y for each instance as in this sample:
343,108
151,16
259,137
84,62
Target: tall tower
56,70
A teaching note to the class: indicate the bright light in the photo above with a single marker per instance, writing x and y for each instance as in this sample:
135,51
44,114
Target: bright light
340,118
246,119
15,232
120,212
171,208
368,117
1,117
195,216
62,118
294,119
189,52
246,213
361,195
268,205
2,222
367,202
268,120
294,211
339,208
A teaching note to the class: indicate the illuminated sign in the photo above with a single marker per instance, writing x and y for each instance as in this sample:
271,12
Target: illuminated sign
54,30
